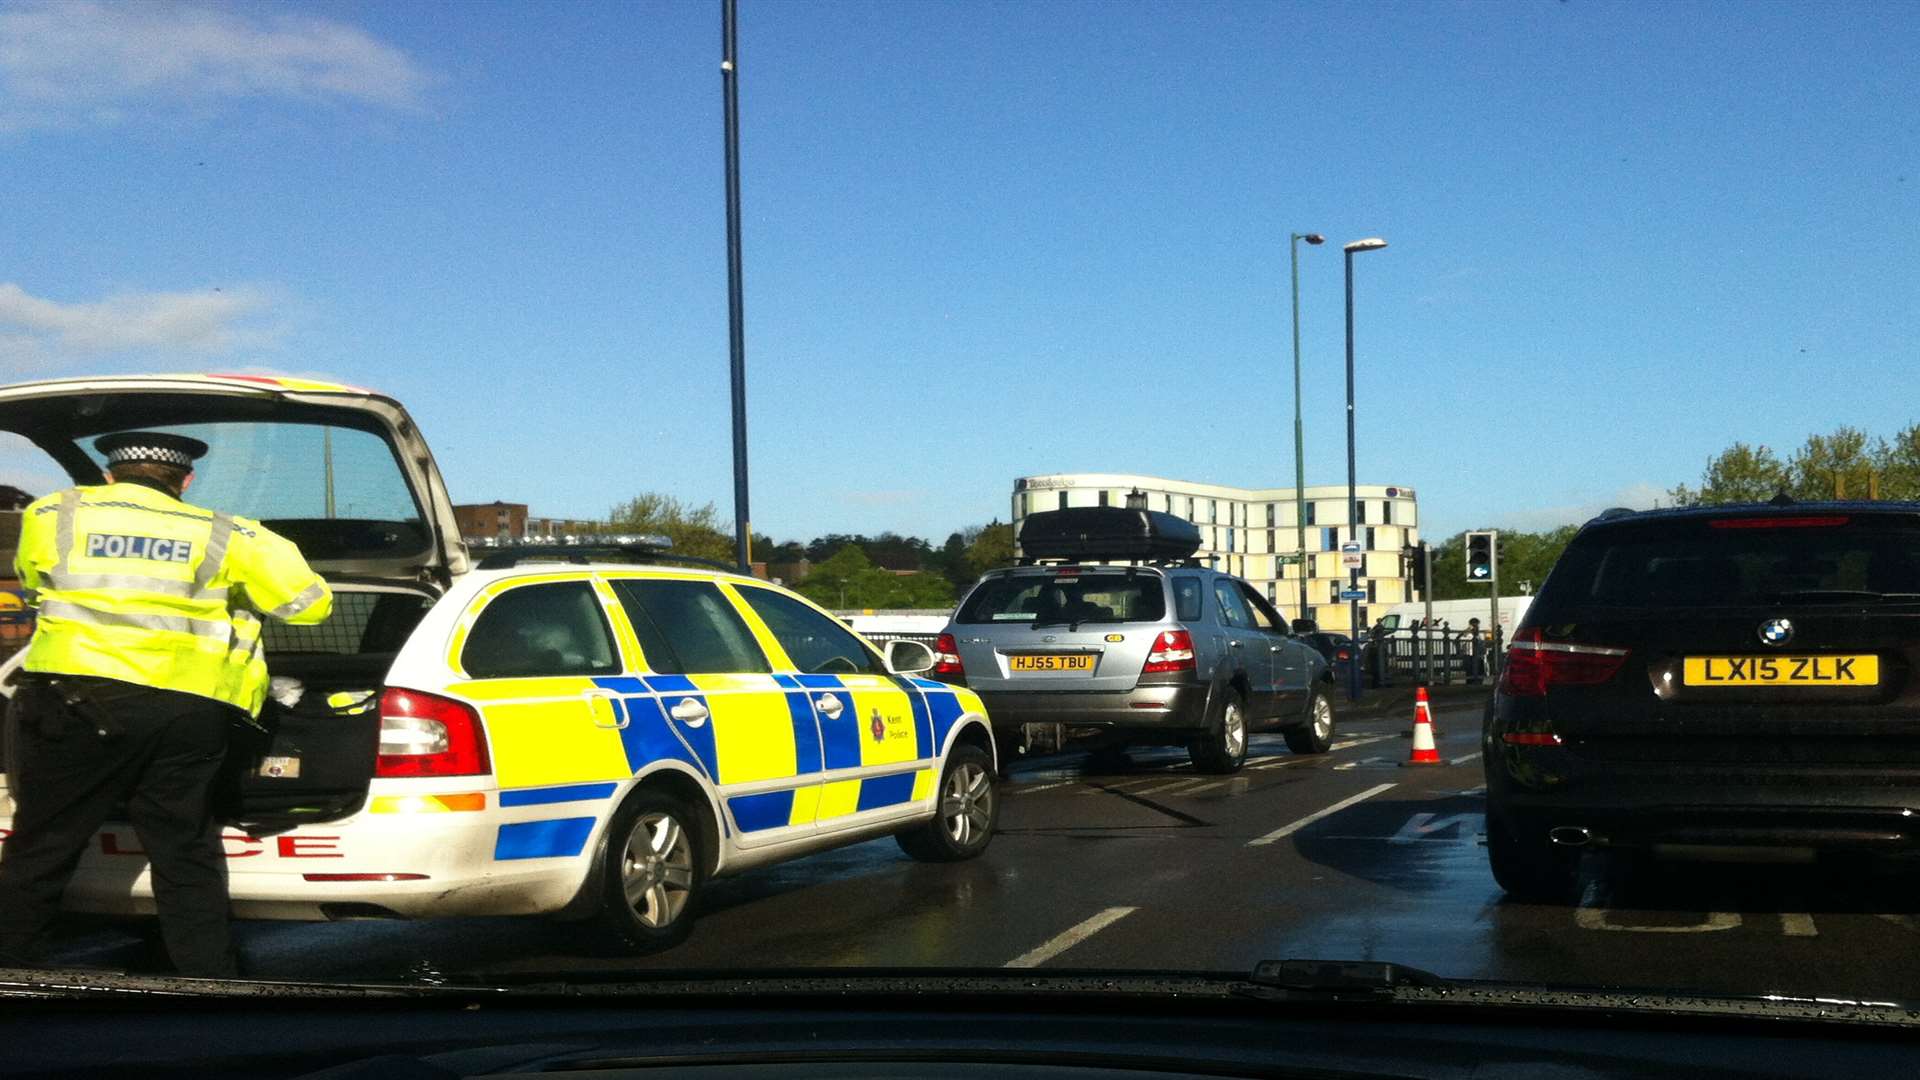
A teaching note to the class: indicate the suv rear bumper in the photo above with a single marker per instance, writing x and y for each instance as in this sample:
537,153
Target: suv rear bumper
1180,707
1823,808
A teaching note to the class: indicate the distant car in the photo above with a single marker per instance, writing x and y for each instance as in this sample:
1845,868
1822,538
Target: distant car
1338,649
1160,650
1711,679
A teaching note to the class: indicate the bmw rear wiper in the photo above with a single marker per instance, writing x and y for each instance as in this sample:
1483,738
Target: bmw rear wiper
1841,594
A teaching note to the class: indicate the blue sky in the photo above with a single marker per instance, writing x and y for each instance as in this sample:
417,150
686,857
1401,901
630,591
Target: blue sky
989,239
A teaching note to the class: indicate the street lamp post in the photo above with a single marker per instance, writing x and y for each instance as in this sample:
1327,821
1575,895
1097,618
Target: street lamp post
1353,498
1299,430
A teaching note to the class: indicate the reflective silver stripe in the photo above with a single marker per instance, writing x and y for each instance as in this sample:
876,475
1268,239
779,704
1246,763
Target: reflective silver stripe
216,552
218,629
63,528
307,598
141,582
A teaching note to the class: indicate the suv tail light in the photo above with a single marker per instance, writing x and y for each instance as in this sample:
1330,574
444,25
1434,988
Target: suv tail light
1172,651
427,735
946,659
1535,665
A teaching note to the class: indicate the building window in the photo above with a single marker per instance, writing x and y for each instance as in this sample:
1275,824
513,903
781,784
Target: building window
1273,515
1330,539
1103,497
1273,540
1310,507
1213,510
1273,592
1373,591
1360,508
1230,539
1190,508
1369,538
1386,513
1333,592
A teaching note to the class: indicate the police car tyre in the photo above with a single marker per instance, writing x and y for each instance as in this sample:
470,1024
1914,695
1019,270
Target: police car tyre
1222,748
1529,868
1316,735
657,854
968,808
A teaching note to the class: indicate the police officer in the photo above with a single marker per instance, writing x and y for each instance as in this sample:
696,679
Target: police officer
147,647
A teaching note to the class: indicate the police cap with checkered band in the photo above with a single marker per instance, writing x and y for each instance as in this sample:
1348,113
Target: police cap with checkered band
129,447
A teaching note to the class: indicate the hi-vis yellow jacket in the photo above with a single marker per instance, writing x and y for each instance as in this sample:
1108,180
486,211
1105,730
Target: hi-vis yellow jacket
135,585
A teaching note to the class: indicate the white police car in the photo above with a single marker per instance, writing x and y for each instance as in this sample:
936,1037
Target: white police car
594,737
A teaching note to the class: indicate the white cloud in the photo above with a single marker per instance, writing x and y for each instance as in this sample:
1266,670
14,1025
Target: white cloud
39,333
78,62
1540,519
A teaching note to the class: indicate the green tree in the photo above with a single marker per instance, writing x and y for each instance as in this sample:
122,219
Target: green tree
1740,473
1837,466
849,580
992,548
1900,476
694,530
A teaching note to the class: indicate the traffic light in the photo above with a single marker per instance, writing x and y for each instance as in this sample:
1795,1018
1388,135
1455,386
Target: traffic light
1480,556
1415,554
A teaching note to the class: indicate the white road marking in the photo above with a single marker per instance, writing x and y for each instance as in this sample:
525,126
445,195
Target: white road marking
1289,829
1421,826
1797,924
1174,788
1592,918
1346,765
1278,763
1463,758
1348,744
1042,787
1067,939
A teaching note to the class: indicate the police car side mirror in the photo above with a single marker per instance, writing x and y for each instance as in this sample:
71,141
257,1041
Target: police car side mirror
908,657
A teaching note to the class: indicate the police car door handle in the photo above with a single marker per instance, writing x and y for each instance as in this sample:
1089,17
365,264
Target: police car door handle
829,705
690,712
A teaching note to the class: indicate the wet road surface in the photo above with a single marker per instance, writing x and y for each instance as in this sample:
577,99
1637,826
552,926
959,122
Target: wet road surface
1143,863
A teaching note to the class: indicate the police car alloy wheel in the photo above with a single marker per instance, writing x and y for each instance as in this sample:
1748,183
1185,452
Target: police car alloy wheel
656,860
1316,735
967,810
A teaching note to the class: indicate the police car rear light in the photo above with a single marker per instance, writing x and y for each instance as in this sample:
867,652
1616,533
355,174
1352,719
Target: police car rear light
946,658
427,735
363,877
1172,651
1535,665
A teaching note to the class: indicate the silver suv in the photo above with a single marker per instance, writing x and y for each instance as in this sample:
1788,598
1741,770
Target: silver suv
1165,652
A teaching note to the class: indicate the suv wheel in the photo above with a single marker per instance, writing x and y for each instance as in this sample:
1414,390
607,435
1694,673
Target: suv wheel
1528,866
1223,747
964,819
655,867
1316,735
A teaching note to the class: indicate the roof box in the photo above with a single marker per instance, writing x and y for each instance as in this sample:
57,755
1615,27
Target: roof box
1107,533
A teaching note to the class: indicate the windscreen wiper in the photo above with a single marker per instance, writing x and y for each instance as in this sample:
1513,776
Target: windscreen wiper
1842,594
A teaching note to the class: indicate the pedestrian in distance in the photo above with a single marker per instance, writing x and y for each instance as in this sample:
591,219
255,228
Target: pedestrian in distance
1476,653
146,651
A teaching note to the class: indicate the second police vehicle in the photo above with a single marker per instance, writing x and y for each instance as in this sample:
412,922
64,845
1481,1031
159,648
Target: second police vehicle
592,738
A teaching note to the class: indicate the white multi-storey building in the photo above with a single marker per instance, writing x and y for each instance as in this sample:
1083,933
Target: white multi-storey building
1255,534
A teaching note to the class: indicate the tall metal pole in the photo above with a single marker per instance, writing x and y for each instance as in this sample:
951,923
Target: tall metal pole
1426,555
1353,501
736,328
1299,436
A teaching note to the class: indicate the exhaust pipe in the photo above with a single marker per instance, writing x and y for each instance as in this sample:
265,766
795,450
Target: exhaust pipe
1570,836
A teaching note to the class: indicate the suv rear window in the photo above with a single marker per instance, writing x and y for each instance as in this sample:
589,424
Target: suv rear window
1695,563
1073,598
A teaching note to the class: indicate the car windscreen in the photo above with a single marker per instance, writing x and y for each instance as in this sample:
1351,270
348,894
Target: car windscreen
1067,596
1735,561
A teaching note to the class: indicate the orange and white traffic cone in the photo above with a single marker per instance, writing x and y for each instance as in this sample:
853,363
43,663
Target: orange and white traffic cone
1424,751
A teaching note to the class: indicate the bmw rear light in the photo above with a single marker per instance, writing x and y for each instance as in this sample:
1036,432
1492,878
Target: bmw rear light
1535,665
427,735
946,659
1172,651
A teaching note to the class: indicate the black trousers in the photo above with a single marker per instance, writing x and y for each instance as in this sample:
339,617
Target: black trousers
159,755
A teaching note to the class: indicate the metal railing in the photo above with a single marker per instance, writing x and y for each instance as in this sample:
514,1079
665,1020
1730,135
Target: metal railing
1430,655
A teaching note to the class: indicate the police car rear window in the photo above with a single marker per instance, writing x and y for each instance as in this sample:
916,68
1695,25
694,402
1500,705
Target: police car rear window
1074,597
1696,564
555,629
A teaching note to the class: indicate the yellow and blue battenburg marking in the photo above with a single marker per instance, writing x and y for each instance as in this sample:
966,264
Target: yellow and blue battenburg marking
758,729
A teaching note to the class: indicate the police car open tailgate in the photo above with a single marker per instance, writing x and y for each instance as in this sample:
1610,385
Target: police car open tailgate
63,416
